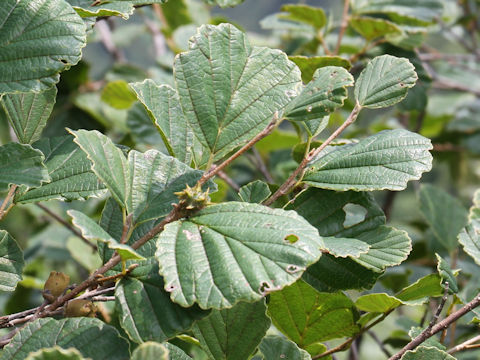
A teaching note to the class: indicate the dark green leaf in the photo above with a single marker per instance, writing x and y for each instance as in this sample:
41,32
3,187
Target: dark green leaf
254,192
234,251
277,347
446,274
11,262
233,333
28,112
308,65
28,65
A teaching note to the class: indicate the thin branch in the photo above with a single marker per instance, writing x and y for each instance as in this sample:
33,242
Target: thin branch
159,43
126,229
222,175
3,208
343,25
445,323
107,41
262,167
67,225
290,183
466,345
436,316
379,343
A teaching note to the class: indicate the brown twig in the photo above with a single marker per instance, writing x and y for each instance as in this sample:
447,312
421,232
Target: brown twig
222,175
343,25
290,183
106,37
3,208
67,225
436,316
257,160
466,345
379,343
445,323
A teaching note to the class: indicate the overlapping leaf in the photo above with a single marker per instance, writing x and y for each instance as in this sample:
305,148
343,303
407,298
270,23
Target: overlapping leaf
118,95
147,314
278,347
123,8
308,317
30,63
469,236
428,353
371,28
11,262
163,104
233,333
254,192
224,3
69,170
56,353
28,112
384,82
92,337
326,92
310,15
386,160
22,165
234,251
151,350
380,303
308,65
229,91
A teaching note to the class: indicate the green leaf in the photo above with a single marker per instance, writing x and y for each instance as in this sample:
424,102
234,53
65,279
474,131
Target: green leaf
230,91
163,105
469,236
414,12
343,247
307,14
386,160
108,163
372,28
11,262
444,213
141,126
277,347
380,303
308,65
69,170
28,112
234,251
426,353
255,192
326,92
34,65
22,165
56,353
420,291
233,333
92,231
118,95
150,350
429,342
384,82
147,314
154,178
175,353
224,3
123,8
85,334
446,274
308,317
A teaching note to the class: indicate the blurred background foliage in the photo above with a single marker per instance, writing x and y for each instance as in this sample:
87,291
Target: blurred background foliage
444,106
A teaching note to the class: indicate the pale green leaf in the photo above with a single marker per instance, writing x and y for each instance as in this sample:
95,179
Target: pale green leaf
234,251
310,15
230,91
446,274
345,247
469,236
163,105
308,65
28,112
380,303
426,353
108,163
69,170
371,28
326,92
154,178
22,165
56,353
149,351
384,82
233,333
410,11
82,253
118,95
316,126
123,8
11,262
255,192
39,39
224,3
147,314
444,213
386,160
429,342
307,316
88,335
277,347
92,231
420,291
